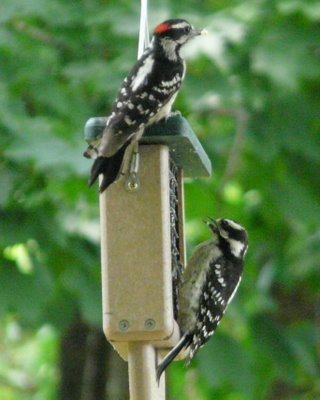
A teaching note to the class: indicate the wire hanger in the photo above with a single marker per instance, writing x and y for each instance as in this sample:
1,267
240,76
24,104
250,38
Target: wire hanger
144,40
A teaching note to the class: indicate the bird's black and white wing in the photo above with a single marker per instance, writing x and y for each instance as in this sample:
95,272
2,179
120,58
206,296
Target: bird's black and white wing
219,286
141,101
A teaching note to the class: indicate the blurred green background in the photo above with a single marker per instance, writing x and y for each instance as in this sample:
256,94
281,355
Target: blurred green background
252,94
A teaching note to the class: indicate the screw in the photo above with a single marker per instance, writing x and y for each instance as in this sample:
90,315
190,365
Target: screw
123,325
133,183
150,324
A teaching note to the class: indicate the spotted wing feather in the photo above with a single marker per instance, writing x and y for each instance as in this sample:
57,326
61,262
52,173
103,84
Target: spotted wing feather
140,101
221,282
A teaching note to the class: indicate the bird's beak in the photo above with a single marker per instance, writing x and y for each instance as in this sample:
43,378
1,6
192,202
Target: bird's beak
198,32
212,224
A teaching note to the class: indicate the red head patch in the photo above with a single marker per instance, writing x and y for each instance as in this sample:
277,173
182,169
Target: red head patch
162,28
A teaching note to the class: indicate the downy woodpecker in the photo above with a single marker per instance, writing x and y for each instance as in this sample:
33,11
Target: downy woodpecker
145,97
210,281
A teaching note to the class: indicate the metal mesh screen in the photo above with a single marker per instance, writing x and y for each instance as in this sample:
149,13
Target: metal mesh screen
177,267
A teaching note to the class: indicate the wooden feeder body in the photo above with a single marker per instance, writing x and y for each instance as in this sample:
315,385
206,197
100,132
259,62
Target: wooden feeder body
136,246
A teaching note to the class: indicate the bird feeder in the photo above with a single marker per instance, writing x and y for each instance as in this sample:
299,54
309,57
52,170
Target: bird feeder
142,239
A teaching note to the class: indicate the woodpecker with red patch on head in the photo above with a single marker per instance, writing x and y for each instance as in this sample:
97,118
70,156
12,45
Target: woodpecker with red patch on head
145,97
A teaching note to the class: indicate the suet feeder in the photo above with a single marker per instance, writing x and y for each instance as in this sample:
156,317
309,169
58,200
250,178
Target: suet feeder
142,239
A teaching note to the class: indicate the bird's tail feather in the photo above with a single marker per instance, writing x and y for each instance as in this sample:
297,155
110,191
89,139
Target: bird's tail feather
184,342
109,167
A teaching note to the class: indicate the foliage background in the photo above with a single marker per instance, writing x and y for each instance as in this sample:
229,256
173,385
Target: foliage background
252,96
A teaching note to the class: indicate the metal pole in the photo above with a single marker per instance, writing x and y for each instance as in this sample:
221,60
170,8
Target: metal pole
142,373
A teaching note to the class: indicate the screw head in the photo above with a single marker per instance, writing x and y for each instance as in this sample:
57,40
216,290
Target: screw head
133,183
150,324
123,325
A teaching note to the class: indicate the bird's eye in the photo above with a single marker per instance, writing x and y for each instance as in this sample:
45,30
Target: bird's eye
187,29
224,224
224,228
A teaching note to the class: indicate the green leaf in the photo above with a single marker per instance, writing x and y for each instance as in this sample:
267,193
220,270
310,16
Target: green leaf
283,63
224,362
37,142
24,295
289,195
271,342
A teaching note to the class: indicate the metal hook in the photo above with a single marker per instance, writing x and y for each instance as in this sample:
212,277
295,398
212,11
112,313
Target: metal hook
133,182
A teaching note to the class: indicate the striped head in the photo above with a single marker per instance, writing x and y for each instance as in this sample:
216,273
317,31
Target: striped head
232,234
174,33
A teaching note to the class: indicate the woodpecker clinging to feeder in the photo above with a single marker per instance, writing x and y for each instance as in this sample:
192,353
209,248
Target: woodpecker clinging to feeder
145,97
210,281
